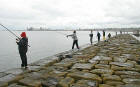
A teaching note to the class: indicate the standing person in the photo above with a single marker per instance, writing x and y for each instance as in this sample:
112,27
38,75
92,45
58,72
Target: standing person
109,35
75,39
23,47
103,35
98,35
91,37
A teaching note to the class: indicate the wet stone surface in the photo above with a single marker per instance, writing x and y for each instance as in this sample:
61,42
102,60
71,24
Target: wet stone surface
105,64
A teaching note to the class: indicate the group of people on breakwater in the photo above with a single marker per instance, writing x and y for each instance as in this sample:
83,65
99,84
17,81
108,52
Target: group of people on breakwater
23,44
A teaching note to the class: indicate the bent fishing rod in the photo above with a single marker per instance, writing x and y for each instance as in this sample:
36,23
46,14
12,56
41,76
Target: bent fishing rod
11,32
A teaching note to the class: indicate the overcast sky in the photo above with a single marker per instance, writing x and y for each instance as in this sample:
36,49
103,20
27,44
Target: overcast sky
67,14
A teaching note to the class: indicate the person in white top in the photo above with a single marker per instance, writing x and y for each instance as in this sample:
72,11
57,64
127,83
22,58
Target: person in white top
75,39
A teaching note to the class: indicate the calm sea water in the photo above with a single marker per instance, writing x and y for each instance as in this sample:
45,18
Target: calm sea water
43,44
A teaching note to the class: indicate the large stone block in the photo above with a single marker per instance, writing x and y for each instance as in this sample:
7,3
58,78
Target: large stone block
102,66
127,73
66,82
16,85
30,82
118,68
102,71
131,81
50,82
129,85
54,73
64,64
122,64
130,76
104,62
111,78
105,85
87,66
2,74
89,83
3,84
101,58
118,59
114,83
84,75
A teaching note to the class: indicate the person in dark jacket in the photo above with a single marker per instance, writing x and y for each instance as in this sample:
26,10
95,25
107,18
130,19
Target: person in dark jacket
98,35
109,35
23,47
91,37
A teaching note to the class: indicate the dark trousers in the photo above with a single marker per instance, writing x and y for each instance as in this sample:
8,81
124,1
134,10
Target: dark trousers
91,40
23,58
98,39
75,42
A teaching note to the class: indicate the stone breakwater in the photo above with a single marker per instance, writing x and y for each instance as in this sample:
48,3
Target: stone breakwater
113,63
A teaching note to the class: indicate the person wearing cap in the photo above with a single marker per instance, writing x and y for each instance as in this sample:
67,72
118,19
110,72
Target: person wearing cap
75,39
23,47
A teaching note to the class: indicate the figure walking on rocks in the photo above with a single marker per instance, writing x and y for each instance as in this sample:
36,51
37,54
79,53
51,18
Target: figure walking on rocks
91,37
75,39
23,47
98,35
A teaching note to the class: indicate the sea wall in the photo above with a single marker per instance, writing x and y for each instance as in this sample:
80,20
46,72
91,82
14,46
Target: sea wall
110,63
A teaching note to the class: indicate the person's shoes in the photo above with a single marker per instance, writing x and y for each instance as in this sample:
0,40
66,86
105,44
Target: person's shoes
26,67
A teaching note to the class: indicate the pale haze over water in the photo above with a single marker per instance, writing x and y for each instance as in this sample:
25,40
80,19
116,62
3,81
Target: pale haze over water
43,44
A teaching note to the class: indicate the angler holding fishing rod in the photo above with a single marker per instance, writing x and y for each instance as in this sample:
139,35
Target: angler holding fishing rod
22,43
75,39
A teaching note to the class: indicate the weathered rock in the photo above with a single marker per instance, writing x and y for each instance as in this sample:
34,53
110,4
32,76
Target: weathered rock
102,71
87,66
7,78
127,73
122,64
130,76
131,81
66,82
102,66
104,62
54,73
2,74
118,68
111,78
101,58
64,64
34,75
114,83
34,68
129,85
15,85
50,82
105,85
93,62
117,59
15,71
30,82
86,76
89,83
3,84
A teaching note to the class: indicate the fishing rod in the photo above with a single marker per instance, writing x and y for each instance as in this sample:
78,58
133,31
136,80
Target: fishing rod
11,32
61,33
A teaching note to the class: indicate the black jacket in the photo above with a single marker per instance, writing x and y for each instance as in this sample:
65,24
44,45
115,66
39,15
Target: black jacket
23,45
